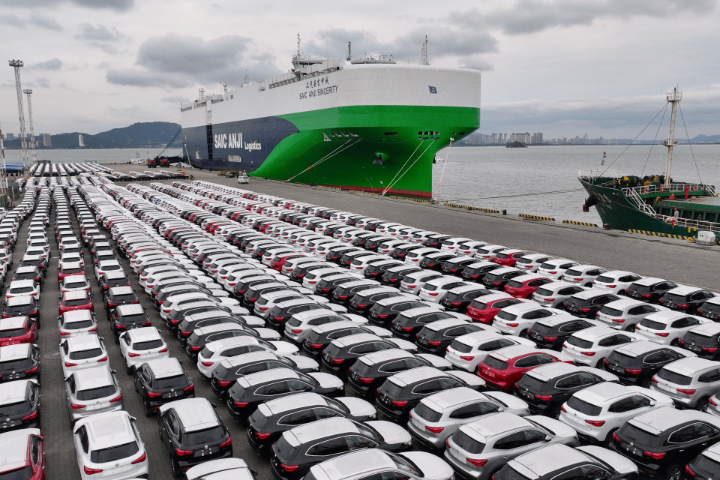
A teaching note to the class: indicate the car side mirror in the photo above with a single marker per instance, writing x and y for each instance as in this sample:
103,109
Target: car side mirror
548,438
652,403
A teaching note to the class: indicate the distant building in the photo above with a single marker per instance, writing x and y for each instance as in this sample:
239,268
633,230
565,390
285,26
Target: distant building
9,136
46,140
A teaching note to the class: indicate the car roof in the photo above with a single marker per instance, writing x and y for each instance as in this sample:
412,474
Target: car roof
246,358
14,446
76,295
83,342
413,375
647,281
268,376
454,396
474,337
319,429
519,308
354,339
508,353
706,329
351,464
114,274
659,419
690,365
90,378
14,352
544,460
292,402
553,370
232,341
556,320
13,392
165,367
144,333
384,355
194,413
399,299
311,314
667,316
20,300
558,285
22,283
77,315
108,429
494,424
448,322
638,348
131,309
684,290
11,323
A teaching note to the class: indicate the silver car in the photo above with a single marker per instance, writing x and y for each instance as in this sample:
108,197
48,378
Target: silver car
376,463
440,415
690,382
92,390
480,448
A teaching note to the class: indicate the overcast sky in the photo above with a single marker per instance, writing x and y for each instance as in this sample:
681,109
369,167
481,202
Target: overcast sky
562,67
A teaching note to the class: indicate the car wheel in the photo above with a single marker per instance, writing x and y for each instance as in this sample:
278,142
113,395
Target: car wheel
646,382
599,364
128,369
630,328
148,410
177,473
523,334
674,472
674,343
556,413
609,438
702,404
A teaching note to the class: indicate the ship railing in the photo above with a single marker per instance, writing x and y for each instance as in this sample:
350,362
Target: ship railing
673,187
638,201
598,172
689,223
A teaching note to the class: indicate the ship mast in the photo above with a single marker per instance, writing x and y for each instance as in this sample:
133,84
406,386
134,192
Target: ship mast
674,98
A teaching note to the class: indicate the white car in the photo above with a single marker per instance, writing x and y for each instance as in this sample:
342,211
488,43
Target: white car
23,287
470,248
215,352
74,283
114,432
73,257
489,252
413,282
625,313
556,268
467,351
311,279
298,326
436,289
530,262
597,411
556,293
616,281
83,351
452,244
416,256
140,345
359,265
234,468
77,322
591,345
583,275
519,318
667,327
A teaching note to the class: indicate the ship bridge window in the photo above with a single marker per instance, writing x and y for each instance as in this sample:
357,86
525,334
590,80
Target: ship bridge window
391,134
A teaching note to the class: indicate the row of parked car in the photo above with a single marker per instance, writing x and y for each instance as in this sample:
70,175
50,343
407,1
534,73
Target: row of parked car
642,350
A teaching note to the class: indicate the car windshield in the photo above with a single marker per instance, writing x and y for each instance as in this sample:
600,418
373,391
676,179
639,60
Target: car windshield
284,449
427,413
674,298
133,319
543,292
640,437
495,363
467,443
579,342
75,302
509,473
13,332
584,407
78,325
205,436
693,337
148,345
652,325
171,382
613,312
674,377
11,409
506,315
19,364
23,473
113,454
85,354
20,310
95,393
460,347
701,463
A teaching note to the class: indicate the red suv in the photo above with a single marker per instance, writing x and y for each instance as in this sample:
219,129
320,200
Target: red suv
23,454
16,330
502,368
278,261
525,285
75,300
508,258
483,309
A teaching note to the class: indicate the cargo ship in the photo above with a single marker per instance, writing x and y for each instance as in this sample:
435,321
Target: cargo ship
365,123
654,204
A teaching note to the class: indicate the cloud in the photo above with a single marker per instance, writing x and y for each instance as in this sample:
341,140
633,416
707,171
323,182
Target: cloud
175,99
183,60
37,20
100,36
42,82
53,64
117,5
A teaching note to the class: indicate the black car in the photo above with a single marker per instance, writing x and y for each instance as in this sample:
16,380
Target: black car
435,261
205,319
663,440
281,312
29,273
178,286
20,405
116,296
410,322
347,259
327,285
547,387
344,292
455,266
586,304
127,317
401,392
230,369
19,361
435,337
253,292
160,382
685,299
637,362
202,336
342,353
401,251
21,306
298,449
551,332
458,298
335,254
649,289
373,243
193,434
363,301
385,311
373,224
496,280
475,272
242,286
703,340
395,275
705,465
321,336
267,423
371,370
436,240
376,270
115,278
251,390
710,309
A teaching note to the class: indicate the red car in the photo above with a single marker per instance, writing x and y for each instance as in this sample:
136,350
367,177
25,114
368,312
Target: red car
76,300
483,309
278,261
14,330
502,368
23,454
508,258
69,268
525,285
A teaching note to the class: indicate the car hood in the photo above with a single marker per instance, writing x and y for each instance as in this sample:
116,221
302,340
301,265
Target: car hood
268,334
358,407
391,433
431,466
379,331
284,348
253,321
305,364
327,380
237,310
404,344
619,463
557,427
513,404
438,362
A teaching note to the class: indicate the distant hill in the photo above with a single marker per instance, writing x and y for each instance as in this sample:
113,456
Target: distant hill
137,135
705,139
